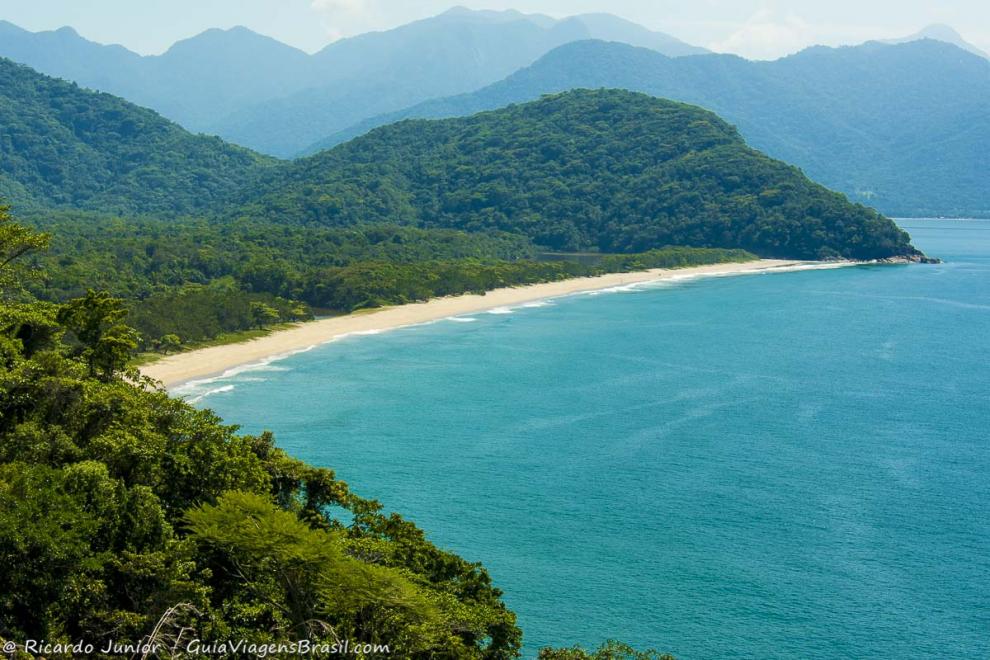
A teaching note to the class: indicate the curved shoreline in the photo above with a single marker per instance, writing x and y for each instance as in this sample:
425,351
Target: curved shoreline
209,362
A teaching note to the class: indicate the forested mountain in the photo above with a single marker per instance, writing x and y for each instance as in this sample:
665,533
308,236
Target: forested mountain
263,94
62,146
609,170
899,127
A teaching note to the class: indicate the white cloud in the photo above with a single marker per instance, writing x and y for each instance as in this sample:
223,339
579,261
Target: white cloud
768,34
342,18
353,6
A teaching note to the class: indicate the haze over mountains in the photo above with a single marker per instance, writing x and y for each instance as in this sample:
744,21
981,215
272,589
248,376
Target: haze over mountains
196,81
273,98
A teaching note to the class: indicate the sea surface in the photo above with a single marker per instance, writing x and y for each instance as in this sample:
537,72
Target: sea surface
791,465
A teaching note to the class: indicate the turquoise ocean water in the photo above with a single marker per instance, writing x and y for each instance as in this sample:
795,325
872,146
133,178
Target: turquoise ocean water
790,465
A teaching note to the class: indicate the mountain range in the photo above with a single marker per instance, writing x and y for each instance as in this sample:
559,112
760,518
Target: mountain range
607,170
263,94
900,127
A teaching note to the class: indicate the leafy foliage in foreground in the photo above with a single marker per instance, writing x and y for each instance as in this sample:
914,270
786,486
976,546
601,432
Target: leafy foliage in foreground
608,170
125,514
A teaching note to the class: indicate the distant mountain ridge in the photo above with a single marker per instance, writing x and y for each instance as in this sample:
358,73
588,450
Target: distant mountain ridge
263,94
195,80
939,32
900,127
458,51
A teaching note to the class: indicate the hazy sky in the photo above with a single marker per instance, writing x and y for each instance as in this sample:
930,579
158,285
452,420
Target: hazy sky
752,28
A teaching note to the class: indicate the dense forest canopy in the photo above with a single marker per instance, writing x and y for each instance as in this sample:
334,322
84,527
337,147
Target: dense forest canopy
62,146
608,170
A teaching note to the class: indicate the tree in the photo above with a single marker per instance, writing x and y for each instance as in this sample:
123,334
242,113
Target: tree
169,342
304,580
299,312
106,342
16,241
263,314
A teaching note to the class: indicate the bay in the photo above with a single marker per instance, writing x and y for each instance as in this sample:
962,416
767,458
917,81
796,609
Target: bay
777,465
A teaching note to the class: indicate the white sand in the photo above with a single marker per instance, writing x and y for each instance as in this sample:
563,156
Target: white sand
202,363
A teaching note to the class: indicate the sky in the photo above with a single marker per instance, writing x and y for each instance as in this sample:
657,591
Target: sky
757,29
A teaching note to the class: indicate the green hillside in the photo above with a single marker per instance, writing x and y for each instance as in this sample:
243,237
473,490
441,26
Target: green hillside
605,170
62,146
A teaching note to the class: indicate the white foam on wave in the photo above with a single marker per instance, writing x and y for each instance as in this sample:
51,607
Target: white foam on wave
675,279
501,310
358,333
361,333
200,389
799,267
461,319
619,288
211,392
538,303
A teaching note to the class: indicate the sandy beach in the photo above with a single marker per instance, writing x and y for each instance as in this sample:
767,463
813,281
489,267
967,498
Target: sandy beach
183,367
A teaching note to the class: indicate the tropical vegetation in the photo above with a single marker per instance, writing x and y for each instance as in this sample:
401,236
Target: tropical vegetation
126,514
